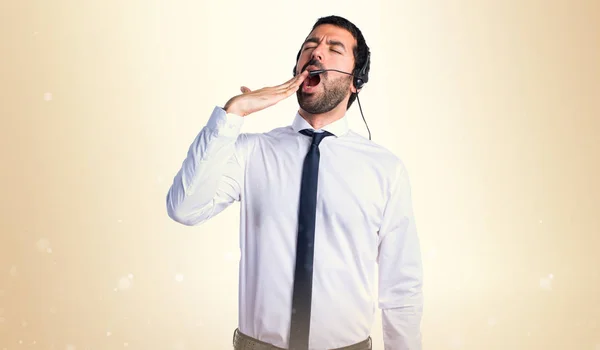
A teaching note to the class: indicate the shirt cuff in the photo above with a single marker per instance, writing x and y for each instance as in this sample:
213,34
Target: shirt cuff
225,124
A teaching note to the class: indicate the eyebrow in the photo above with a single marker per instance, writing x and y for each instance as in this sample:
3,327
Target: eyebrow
329,42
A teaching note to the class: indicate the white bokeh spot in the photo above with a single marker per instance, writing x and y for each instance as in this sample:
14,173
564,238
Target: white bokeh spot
13,271
43,245
456,342
546,283
125,283
179,277
179,345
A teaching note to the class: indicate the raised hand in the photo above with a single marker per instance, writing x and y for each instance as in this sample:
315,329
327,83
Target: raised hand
253,101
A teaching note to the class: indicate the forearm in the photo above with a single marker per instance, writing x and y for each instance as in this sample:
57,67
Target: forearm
190,199
402,327
400,270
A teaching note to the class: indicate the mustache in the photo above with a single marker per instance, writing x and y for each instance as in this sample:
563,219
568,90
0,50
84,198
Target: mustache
312,62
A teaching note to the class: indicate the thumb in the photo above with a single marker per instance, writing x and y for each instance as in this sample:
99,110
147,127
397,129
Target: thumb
245,89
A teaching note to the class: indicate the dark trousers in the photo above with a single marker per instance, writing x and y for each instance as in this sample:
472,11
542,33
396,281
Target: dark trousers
244,342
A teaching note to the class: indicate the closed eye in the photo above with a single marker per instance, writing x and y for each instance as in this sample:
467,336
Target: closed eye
308,48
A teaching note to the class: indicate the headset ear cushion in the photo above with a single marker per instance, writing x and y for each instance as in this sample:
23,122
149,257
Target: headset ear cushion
363,70
363,76
358,83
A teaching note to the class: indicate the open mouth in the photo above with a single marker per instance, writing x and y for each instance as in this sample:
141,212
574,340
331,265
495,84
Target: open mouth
310,83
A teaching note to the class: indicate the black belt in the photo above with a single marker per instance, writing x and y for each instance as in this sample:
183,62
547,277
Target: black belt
244,342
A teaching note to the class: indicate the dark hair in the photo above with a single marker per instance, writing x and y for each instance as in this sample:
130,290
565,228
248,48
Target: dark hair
361,50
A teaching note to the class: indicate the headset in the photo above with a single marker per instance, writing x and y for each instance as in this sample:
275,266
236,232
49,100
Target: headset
360,78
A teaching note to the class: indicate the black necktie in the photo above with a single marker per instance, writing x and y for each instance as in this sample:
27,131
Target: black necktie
301,299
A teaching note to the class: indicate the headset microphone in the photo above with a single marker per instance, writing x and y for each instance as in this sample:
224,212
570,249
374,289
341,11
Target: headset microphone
359,82
312,73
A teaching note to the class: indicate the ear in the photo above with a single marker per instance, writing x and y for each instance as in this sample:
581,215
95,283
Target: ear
353,88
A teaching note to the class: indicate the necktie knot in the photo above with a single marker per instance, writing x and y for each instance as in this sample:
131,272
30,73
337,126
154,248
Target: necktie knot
317,137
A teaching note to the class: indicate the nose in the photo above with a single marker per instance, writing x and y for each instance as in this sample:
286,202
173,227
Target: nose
317,53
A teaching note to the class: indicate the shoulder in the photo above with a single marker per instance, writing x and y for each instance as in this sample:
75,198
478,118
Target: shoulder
252,140
375,151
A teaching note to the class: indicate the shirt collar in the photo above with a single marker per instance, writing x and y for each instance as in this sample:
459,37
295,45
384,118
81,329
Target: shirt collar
337,128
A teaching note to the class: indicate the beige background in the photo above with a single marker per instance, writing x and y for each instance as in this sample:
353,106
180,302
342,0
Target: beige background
493,106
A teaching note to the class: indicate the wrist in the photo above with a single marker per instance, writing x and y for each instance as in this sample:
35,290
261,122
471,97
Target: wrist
230,108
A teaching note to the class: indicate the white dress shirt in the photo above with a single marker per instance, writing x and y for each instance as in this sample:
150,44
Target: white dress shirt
364,226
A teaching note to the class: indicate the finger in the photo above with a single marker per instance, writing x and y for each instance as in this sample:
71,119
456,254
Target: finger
292,88
300,77
293,83
296,84
244,89
295,80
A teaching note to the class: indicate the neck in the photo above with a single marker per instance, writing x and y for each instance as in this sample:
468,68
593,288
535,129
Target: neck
318,121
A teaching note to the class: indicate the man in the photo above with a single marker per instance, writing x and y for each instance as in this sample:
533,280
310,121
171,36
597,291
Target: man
322,208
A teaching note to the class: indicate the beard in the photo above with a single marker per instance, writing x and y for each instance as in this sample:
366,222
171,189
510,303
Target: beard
334,92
